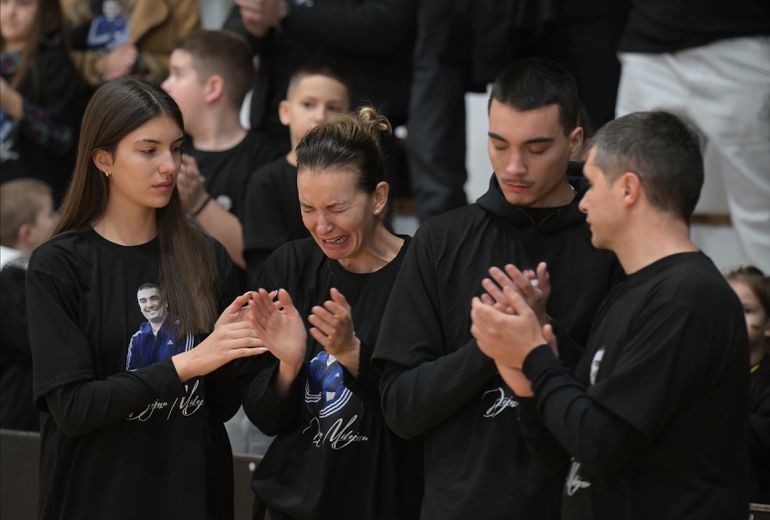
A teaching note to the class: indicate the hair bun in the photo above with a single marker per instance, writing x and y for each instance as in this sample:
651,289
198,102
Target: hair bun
374,122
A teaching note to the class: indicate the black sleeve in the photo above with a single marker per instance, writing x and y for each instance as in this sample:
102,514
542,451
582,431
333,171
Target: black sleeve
65,379
423,384
416,399
82,407
376,27
367,384
540,441
599,439
271,412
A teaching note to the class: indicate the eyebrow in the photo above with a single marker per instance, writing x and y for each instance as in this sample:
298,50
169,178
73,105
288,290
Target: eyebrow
533,140
155,141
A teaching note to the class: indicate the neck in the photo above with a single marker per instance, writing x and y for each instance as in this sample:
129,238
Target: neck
222,130
655,236
14,46
381,249
291,158
127,224
155,326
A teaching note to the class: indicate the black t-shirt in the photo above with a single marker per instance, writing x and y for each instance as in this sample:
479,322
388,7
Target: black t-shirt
668,355
437,383
674,25
333,456
118,443
759,438
227,172
272,214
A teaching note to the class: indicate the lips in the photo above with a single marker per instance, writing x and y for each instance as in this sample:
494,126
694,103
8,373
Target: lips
165,186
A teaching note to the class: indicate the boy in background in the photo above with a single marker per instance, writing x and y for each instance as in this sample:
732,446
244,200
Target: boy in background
210,72
317,92
26,218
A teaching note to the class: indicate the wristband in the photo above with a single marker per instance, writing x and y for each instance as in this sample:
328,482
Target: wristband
201,207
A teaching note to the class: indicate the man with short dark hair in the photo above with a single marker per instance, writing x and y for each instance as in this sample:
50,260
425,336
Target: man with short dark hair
656,415
437,384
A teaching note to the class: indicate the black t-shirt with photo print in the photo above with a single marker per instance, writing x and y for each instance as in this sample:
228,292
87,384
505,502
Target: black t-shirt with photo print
118,443
334,456
668,355
272,214
227,172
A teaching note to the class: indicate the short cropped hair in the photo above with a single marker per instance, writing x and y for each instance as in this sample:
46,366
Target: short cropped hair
225,54
662,151
318,67
537,82
20,202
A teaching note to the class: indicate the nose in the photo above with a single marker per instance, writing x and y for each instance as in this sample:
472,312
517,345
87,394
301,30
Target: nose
515,164
165,84
582,205
322,225
169,163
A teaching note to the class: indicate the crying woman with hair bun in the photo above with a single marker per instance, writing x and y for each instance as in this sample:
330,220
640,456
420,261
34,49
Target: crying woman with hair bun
319,306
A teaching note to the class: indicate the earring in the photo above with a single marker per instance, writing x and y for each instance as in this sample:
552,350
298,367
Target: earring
107,174
376,212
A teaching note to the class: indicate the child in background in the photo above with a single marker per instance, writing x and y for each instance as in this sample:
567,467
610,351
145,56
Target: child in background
753,289
40,95
317,92
211,72
26,218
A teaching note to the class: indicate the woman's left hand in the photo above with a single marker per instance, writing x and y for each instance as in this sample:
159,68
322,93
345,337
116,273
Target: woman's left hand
333,329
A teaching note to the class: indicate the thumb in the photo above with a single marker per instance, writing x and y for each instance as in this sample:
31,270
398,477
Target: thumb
284,298
550,337
338,297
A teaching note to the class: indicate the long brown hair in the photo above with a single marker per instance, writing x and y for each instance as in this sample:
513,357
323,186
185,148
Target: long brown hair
187,258
47,26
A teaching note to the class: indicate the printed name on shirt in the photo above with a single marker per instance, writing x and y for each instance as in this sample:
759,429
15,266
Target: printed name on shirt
338,436
187,405
500,404
596,362
574,482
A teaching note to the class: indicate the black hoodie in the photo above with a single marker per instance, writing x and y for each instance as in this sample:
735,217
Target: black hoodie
437,383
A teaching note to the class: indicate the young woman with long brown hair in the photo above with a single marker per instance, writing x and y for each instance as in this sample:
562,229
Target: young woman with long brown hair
132,410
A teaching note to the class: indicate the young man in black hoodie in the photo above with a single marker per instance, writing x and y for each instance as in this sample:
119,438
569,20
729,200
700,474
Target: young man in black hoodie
656,415
437,384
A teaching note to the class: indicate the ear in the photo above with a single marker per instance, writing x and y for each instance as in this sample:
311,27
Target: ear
284,112
103,160
214,88
22,237
380,197
575,141
631,187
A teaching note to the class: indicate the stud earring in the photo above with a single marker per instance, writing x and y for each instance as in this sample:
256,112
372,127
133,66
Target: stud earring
107,174
376,212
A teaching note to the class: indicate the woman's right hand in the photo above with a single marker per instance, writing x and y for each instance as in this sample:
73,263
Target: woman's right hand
228,342
283,332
